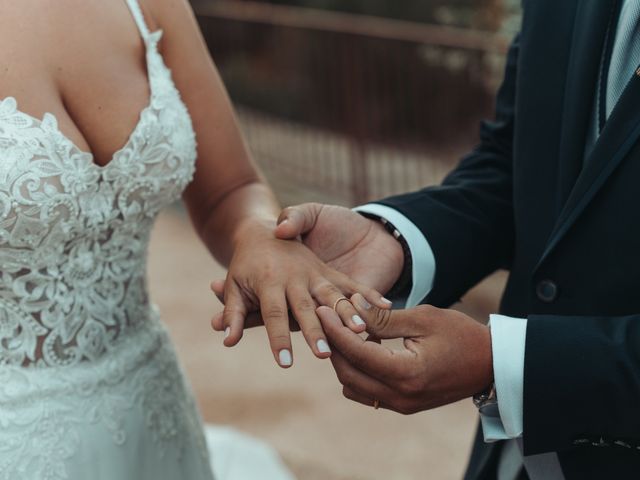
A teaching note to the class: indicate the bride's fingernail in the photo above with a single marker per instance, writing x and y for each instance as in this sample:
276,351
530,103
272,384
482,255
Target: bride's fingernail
357,320
323,346
227,332
285,358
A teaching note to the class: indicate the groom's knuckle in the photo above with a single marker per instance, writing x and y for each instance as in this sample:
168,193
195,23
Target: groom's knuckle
381,319
407,387
344,377
425,311
347,394
412,381
309,212
286,212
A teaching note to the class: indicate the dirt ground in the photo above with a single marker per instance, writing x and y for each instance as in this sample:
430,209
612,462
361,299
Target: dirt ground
301,411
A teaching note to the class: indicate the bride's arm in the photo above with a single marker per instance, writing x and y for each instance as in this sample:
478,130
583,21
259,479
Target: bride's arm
227,189
235,211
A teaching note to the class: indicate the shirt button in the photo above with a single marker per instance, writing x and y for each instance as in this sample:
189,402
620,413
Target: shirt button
547,291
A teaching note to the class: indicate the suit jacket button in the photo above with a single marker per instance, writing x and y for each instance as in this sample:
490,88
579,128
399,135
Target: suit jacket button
547,291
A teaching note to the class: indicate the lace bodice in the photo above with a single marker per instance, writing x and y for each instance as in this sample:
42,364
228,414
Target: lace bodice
73,234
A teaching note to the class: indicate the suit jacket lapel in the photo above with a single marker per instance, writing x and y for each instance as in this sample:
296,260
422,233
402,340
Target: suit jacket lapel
621,132
590,29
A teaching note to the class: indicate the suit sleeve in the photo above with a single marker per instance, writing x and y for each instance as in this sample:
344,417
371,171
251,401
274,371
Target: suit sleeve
468,219
590,397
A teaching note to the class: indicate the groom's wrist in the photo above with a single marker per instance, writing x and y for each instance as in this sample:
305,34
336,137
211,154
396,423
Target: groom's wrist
402,284
423,262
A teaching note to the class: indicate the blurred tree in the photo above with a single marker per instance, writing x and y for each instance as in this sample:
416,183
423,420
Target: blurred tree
487,15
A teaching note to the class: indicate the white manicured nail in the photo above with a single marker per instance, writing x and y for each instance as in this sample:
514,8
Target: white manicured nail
323,346
227,332
357,320
387,301
285,358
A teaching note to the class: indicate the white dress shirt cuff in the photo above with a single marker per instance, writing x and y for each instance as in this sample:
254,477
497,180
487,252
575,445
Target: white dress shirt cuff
423,260
508,336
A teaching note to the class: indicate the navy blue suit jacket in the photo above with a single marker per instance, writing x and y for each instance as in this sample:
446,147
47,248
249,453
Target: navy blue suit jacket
568,230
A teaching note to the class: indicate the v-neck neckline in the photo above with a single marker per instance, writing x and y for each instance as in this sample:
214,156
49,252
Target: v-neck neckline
150,42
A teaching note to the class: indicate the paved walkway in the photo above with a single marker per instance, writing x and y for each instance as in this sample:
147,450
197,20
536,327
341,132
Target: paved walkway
301,412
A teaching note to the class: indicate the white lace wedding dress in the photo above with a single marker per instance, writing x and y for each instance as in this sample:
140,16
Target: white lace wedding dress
90,387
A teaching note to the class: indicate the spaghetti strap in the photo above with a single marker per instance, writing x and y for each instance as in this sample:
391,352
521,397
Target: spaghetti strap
136,11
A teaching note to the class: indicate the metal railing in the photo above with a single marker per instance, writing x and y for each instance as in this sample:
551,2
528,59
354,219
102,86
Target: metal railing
349,107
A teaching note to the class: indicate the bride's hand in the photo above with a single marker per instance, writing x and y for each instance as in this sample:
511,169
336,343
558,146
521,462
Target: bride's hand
273,276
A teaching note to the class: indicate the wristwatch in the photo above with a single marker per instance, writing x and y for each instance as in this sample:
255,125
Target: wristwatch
487,402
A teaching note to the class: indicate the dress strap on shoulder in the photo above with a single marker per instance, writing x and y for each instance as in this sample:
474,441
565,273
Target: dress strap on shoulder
136,11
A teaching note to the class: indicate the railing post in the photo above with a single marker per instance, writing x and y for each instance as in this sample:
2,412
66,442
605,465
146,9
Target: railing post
355,122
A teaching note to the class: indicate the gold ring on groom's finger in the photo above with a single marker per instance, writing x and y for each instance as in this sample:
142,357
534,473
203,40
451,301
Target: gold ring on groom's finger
335,305
376,404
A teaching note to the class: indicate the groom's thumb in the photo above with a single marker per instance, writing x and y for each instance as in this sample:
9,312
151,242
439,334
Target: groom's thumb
298,220
386,324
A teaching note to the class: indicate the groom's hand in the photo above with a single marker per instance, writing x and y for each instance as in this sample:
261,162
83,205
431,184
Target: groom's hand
447,357
348,242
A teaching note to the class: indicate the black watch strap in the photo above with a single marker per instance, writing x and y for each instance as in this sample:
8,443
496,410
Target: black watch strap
403,285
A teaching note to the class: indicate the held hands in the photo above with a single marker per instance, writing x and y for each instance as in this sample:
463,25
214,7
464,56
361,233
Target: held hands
271,276
348,242
447,357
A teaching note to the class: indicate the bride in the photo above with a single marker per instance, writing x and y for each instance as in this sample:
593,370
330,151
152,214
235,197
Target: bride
109,112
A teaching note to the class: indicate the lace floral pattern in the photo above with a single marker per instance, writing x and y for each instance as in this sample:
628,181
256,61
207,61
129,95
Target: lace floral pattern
80,343
42,411
73,234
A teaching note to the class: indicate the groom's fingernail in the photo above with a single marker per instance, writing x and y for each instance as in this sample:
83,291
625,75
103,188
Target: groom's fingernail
284,358
357,319
323,346
227,332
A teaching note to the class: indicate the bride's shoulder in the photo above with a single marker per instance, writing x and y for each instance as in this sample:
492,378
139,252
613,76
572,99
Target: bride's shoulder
33,30
25,28
47,48
167,14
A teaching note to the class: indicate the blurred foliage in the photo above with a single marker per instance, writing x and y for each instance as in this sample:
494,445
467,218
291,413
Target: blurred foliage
488,15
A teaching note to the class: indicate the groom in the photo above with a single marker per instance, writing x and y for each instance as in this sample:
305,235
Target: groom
551,194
